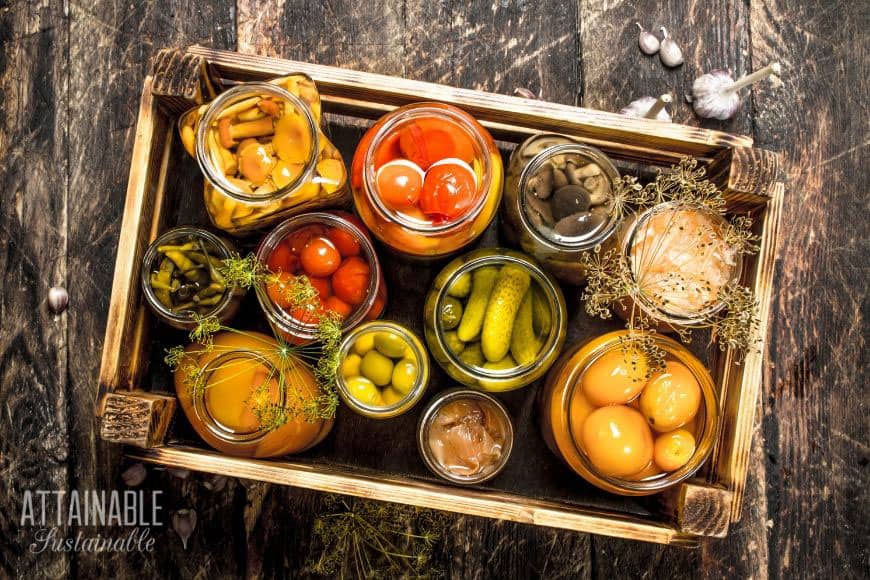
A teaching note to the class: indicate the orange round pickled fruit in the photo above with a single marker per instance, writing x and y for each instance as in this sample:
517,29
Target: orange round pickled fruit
671,398
617,440
615,378
579,411
674,449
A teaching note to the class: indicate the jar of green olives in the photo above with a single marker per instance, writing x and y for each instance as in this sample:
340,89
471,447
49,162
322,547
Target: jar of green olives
383,369
494,320
181,278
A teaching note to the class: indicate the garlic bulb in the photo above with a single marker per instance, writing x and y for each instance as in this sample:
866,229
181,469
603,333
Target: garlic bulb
648,42
714,95
669,52
649,108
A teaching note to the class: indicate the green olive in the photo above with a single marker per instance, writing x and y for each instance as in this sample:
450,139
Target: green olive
364,391
454,343
390,344
377,368
364,343
404,376
461,286
391,396
451,313
350,365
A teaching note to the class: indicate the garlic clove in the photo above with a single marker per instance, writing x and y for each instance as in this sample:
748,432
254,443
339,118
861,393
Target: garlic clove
58,299
525,93
669,52
715,94
184,522
134,475
648,42
649,108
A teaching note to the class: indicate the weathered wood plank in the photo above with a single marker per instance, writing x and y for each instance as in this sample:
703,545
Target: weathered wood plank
34,441
815,421
111,46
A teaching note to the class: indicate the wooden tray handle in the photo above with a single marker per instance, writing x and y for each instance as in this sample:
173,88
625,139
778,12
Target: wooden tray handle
699,510
136,418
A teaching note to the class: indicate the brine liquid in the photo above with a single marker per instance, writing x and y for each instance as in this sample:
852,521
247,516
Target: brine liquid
235,388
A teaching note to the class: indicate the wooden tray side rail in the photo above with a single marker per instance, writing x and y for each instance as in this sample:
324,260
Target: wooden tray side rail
184,78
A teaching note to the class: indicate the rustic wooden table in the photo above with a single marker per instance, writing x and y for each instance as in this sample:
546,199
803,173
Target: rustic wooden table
70,76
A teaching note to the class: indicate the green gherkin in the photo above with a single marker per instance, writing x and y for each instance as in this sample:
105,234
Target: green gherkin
501,311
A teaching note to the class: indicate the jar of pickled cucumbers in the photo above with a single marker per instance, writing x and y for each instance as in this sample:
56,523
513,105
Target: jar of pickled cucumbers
383,369
263,154
623,428
427,180
334,252
181,279
494,320
679,260
558,202
243,399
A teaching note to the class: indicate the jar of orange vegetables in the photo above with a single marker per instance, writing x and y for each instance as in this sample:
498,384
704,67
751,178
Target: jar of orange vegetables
244,396
427,180
623,428
263,154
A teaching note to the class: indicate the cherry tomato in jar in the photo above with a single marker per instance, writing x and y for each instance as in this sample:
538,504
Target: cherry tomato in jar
339,306
387,150
308,313
399,183
413,145
322,285
444,139
344,241
319,257
351,281
282,259
277,289
448,190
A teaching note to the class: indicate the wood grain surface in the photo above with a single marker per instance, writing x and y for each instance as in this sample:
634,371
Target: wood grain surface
70,76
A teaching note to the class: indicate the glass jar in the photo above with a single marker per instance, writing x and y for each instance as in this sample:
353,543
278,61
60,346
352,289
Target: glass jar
263,154
472,419
354,289
679,262
573,392
177,297
558,202
243,381
383,369
447,185
468,348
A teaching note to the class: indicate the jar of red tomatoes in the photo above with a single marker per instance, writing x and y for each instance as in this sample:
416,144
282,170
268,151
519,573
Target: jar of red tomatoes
427,180
335,253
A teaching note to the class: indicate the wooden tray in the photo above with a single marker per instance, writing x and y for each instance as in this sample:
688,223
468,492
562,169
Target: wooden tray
165,188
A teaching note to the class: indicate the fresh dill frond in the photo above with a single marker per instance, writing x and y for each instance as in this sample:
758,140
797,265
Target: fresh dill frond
613,284
320,357
357,538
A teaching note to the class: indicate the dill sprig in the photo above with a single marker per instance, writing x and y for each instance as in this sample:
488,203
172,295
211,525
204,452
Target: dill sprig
613,282
321,355
358,538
